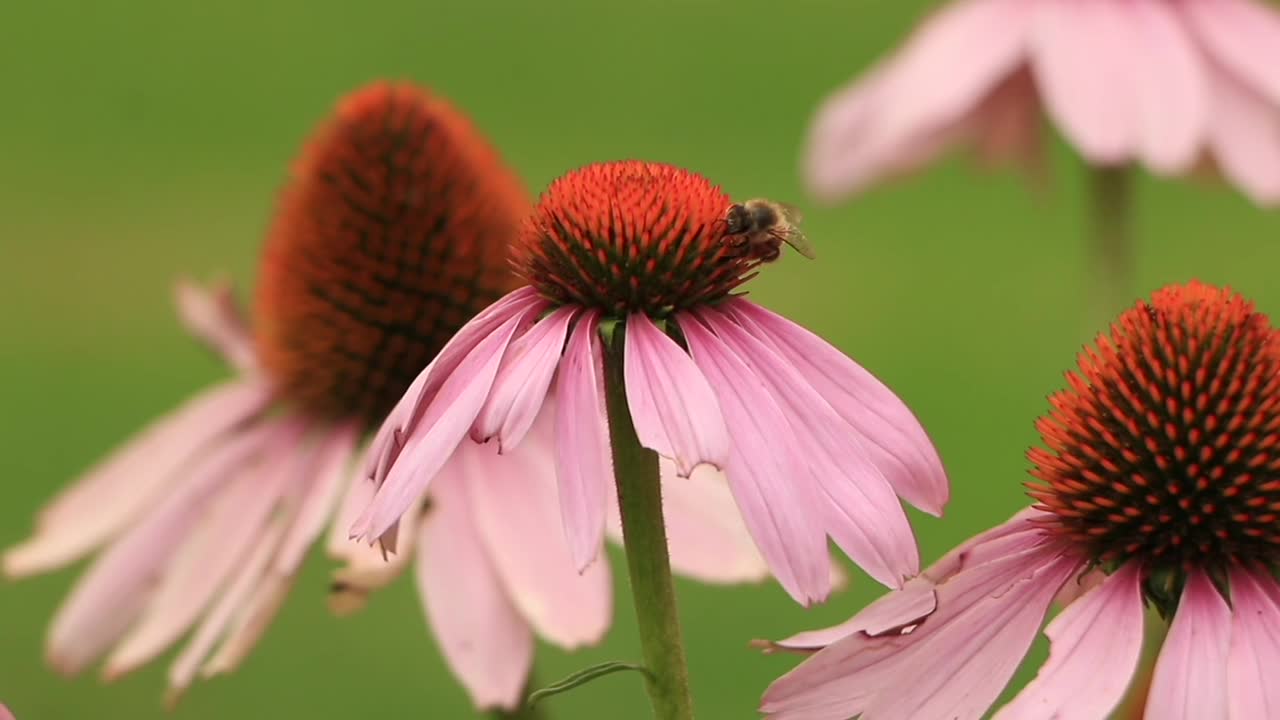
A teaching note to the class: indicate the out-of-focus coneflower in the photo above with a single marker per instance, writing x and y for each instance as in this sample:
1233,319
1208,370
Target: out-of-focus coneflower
393,232
1174,85
629,343
1159,483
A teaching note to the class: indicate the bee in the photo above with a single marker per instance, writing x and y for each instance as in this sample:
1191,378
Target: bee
758,227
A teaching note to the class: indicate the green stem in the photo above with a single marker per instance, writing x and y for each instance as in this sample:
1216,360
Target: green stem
523,711
1112,262
635,469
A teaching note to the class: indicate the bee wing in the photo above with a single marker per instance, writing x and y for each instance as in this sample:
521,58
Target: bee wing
798,242
793,214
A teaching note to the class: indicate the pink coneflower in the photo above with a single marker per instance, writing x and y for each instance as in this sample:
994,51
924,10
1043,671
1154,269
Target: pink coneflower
1168,83
812,445
1159,484
393,232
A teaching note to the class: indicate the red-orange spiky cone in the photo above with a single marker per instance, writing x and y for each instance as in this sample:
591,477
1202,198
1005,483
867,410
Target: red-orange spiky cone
631,236
1165,448
393,232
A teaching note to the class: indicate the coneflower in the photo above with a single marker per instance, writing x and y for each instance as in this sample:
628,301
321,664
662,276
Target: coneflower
1158,483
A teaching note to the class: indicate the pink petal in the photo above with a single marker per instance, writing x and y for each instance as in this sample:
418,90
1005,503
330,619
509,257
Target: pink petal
899,609
1083,64
110,595
443,425
1015,535
513,497
1242,36
1094,650
885,426
1170,87
584,460
208,556
5,713
951,664
522,381
485,641
862,515
1252,690
333,462
674,409
1008,127
1190,680
1244,133
771,482
114,493
389,441
213,316
706,537
216,621
250,624
943,72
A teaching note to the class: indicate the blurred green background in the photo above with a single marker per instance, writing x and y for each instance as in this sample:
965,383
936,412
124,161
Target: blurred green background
143,139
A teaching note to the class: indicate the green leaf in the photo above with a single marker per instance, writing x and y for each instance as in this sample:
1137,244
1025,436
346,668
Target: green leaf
582,677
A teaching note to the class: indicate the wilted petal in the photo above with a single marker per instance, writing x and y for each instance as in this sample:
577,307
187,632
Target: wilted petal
1190,680
1093,652
522,381
771,482
443,425
1252,689
584,463
115,493
514,500
886,427
863,514
705,534
674,409
108,598
485,641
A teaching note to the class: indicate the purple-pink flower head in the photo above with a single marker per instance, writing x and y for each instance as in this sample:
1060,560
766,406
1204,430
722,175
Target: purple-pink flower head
1171,84
1158,483
811,444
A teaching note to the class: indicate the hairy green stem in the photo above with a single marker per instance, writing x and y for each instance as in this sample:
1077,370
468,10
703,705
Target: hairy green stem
635,469
1112,251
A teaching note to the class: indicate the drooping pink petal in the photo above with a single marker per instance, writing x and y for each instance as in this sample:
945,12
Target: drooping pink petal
862,512
706,537
1014,535
332,468
770,480
215,622
482,636
674,409
1242,36
1083,65
107,599
951,664
584,460
1170,87
250,624
1252,691
1008,127
513,497
943,72
1095,645
213,316
443,425
1244,132
522,381
209,554
113,494
389,440
902,608
886,427
1190,680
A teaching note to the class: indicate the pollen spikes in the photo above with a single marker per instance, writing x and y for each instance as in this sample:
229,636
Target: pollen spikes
1165,447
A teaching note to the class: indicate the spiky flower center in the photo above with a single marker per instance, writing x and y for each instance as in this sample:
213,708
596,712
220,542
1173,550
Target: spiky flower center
1166,446
631,237
393,232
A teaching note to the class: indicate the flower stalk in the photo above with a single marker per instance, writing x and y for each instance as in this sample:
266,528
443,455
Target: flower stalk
1112,251
635,470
